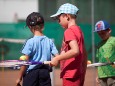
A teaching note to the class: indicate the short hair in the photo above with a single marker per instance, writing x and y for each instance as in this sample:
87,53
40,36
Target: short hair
71,15
34,19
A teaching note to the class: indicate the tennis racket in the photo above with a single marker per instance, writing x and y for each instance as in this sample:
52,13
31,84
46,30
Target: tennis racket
15,63
100,64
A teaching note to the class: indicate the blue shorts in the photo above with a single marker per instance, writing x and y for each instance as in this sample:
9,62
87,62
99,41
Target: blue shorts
39,76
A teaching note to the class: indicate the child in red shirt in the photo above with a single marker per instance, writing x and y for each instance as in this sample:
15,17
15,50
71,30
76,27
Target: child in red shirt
73,58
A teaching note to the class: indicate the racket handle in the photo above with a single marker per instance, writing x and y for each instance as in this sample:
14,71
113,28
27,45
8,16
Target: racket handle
47,62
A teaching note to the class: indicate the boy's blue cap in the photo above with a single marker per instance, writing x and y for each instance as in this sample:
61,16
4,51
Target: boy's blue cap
101,25
66,8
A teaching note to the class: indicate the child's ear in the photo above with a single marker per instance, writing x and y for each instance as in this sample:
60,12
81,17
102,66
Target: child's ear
68,17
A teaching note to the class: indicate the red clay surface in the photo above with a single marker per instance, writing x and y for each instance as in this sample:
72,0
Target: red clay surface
7,78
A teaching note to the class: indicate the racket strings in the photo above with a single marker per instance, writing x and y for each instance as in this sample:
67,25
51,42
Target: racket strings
13,63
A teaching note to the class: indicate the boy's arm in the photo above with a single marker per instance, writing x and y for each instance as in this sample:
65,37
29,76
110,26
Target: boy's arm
74,51
22,71
56,55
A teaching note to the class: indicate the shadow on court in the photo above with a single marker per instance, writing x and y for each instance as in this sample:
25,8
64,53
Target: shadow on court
8,77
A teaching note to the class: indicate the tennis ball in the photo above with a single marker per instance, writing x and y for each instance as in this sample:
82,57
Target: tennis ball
88,62
23,58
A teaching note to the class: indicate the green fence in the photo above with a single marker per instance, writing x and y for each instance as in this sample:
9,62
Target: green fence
53,30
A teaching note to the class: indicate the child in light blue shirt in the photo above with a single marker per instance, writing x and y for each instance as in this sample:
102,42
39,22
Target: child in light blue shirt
38,48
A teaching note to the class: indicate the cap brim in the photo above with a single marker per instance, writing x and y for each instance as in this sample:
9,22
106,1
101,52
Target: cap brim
55,15
97,30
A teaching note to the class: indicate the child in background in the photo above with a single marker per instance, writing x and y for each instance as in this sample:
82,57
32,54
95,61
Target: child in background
38,48
105,53
73,57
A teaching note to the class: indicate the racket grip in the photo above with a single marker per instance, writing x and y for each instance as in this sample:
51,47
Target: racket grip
47,62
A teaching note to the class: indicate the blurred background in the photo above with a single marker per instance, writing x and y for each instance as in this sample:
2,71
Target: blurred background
13,31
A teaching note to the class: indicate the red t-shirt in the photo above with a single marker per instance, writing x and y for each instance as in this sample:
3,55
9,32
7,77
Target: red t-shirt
72,67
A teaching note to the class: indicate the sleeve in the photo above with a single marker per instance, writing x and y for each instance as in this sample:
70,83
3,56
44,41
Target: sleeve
109,50
69,35
54,50
27,48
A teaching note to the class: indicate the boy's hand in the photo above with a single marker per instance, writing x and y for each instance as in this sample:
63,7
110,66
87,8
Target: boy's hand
18,82
54,62
97,80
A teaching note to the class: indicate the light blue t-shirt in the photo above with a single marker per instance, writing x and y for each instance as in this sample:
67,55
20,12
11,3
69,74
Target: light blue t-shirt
39,48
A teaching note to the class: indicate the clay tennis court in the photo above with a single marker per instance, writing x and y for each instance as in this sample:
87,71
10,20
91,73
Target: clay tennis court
8,77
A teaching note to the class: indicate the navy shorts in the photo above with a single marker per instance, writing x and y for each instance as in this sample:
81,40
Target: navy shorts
39,76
